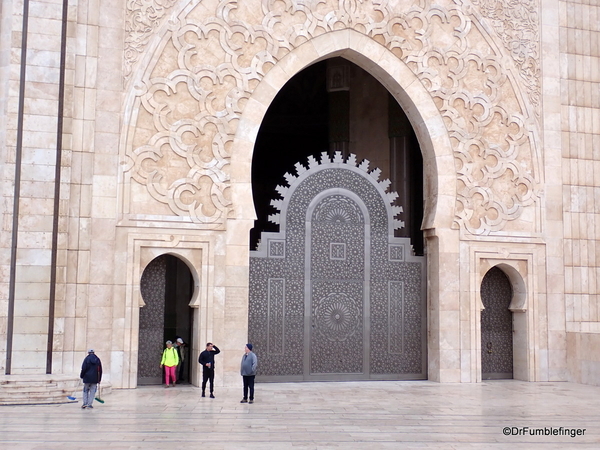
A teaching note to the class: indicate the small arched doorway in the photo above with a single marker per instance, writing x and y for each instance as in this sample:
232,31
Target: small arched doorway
496,326
166,286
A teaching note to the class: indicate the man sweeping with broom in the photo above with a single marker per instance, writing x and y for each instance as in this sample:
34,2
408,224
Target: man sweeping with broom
91,374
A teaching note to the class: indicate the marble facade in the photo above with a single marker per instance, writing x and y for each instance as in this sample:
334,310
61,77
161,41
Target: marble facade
163,100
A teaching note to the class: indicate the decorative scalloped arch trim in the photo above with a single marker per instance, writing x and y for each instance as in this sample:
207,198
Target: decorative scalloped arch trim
337,162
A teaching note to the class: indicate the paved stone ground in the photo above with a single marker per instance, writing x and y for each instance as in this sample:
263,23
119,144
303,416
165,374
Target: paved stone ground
353,415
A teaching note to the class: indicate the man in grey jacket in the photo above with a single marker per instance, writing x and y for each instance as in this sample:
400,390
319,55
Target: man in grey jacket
248,371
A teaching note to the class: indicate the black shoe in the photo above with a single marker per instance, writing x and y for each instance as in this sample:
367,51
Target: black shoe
90,406
212,396
203,394
83,406
251,401
244,401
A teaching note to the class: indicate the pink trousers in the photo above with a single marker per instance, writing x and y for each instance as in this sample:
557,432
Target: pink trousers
170,374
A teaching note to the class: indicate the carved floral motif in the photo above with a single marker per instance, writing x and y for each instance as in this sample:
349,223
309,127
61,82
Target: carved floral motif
143,18
517,23
211,61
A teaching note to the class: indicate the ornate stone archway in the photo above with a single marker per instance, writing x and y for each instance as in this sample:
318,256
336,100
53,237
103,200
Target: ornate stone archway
199,90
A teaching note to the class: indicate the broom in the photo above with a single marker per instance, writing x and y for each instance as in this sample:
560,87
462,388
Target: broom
98,397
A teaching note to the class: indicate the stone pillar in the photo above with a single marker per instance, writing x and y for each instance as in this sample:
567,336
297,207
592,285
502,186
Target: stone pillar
401,167
557,66
443,299
96,310
339,107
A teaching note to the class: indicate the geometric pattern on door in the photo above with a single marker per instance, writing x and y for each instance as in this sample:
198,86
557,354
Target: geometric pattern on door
334,295
152,321
496,326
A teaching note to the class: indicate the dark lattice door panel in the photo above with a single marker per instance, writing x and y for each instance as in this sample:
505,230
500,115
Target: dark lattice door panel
496,326
152,318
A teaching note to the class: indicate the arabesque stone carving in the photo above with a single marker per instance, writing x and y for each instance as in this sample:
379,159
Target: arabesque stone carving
517,24
143,18
191,97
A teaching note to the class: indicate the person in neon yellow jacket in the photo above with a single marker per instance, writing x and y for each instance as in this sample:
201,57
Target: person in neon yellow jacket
170,360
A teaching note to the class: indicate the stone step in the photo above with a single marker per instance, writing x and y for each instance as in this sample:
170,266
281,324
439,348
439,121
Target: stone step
41,389
31,388
25,385
41,400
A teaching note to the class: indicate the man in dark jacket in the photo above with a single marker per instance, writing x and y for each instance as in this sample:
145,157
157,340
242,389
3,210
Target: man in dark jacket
91,374
207,359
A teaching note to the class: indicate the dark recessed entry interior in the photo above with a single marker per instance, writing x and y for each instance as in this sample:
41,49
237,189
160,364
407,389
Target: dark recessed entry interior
334,105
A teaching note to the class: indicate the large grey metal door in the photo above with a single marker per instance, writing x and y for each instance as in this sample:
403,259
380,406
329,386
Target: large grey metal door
334,295
496,326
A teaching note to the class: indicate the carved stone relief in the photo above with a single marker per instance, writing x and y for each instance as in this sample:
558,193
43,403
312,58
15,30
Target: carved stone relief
213,56
517,25
143,18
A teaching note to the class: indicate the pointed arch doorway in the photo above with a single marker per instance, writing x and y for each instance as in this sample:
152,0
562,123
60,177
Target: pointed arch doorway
166,287
330,317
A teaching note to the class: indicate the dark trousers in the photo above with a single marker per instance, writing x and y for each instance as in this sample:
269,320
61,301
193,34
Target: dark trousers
248,384
180,376
208,375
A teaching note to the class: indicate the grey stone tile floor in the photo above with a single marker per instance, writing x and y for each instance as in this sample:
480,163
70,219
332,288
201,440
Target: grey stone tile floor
350,415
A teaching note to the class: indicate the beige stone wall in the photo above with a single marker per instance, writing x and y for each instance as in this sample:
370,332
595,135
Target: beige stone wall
580,99
580,132
95,268
583,356
164,101
37,174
